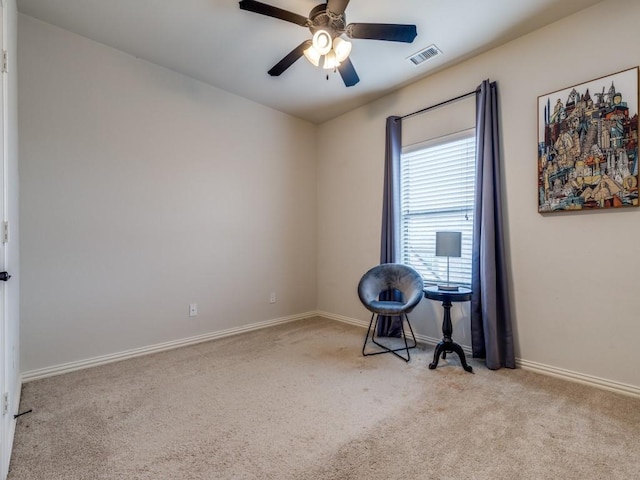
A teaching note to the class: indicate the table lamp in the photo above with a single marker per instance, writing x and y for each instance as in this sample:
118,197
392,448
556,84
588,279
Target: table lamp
448,244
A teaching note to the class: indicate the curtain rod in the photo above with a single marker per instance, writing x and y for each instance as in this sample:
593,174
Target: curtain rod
465,95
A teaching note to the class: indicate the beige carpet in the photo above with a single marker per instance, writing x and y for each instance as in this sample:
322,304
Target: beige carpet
298,401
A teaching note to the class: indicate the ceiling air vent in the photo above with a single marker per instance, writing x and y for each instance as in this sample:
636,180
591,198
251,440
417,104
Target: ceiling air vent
425,54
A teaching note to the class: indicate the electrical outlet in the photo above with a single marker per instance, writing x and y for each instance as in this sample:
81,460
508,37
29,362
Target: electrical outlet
272,297
193,309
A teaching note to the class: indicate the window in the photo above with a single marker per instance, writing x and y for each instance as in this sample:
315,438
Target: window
437,193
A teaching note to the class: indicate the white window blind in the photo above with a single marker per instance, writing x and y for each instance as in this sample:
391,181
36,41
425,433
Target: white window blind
437,194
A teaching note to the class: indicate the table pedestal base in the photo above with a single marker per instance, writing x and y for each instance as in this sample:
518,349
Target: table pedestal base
445,347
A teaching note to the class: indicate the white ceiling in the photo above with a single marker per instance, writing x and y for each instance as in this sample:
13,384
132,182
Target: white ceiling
232,49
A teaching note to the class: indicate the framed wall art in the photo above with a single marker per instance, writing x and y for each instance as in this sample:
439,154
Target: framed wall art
588,145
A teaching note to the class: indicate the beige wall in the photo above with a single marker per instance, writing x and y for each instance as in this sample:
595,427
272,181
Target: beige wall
574,276
143,191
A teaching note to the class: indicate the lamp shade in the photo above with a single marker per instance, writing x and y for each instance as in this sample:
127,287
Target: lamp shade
342,48
322,42
448,244
330,61
312,55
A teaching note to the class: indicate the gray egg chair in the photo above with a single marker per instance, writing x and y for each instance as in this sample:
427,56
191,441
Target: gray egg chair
372,289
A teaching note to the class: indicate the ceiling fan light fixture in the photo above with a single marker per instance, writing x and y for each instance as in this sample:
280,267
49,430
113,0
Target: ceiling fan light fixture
322,42
330,61
313,56
342,48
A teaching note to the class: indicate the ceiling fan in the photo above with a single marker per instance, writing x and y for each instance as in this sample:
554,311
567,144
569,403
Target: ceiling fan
327,47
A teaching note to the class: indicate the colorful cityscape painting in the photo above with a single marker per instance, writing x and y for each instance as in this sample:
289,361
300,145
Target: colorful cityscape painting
588,145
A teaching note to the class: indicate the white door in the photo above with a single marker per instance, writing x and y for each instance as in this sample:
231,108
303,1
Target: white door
4,331
4,343
9,252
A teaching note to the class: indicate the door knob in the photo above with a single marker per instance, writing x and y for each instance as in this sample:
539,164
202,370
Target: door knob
4,276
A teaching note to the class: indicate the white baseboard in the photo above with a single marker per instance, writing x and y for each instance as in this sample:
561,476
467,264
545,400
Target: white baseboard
365,324
578,377
597,382
160,347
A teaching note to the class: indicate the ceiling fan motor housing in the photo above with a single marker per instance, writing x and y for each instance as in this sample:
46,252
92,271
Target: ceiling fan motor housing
321,19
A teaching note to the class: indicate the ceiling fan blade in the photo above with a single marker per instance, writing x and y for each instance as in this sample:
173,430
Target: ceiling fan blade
348,73
337,6
271,11
290,59
391,32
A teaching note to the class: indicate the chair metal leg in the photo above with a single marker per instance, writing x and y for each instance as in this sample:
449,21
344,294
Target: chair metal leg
366,338
386,349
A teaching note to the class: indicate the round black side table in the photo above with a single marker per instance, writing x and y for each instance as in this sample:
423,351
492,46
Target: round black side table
447,345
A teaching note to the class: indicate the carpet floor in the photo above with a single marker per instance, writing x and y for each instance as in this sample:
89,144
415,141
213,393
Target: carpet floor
298,401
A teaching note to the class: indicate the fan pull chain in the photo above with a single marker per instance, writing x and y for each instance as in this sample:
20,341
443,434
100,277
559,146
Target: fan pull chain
335,69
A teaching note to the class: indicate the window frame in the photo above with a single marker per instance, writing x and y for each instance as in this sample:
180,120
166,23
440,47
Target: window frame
433,269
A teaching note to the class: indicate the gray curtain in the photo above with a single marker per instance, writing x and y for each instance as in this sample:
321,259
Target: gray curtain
390,240
491,333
